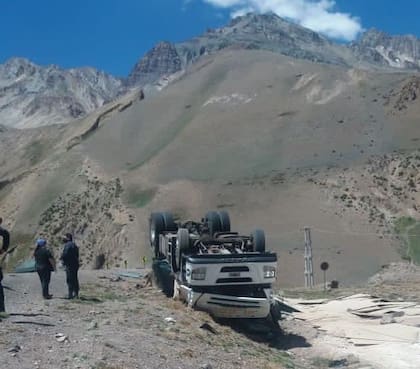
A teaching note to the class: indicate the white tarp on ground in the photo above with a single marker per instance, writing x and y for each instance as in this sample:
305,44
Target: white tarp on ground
382,333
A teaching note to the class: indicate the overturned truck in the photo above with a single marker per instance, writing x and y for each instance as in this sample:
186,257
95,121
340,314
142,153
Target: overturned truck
212,268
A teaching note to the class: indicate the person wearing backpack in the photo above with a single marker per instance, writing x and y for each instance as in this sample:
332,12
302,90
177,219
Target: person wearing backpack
44,264
5,235
70,260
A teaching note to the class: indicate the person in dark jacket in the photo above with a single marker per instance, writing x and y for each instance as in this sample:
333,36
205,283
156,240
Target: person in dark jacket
70,259
44,264
5,245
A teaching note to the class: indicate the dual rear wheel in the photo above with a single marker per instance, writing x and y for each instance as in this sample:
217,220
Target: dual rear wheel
159,223
217,221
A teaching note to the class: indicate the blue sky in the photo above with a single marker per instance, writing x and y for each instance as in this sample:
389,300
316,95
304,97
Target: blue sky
113,34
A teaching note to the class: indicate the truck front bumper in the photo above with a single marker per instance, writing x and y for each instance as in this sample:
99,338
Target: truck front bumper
223,306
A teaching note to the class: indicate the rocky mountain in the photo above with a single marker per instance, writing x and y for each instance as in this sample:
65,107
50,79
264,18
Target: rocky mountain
252,32
381,49
269,32
265,32
32,95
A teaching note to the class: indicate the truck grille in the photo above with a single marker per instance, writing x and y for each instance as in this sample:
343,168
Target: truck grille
234,280
230,269
255,291
226,302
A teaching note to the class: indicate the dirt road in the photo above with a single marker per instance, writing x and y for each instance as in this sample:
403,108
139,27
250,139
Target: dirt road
120,323
116,324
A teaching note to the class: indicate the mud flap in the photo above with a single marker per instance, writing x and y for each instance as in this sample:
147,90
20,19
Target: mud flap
275,311
163,276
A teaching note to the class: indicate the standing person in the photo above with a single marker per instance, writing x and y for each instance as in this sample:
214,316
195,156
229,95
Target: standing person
45,264
70,259
5,245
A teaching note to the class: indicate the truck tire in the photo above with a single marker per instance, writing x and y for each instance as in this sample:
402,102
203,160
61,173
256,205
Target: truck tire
258,240
170,225
224,220
173,259
156,227
182,245
213,221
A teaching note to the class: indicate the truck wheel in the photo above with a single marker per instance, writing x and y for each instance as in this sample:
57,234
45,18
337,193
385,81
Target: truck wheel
258,240
224,220
213,222
182,245
168,219
156,227
174,262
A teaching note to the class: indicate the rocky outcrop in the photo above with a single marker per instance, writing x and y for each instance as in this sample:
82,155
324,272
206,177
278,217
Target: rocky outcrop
402,98
107,111
90,214
381,49
32,95
161,61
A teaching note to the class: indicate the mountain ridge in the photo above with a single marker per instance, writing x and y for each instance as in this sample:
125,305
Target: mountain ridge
33,95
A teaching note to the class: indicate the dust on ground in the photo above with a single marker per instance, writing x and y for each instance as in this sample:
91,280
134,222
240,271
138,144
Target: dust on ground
120,323
123,322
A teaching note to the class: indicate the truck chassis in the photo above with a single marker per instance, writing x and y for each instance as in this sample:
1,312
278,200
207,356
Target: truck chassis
212,268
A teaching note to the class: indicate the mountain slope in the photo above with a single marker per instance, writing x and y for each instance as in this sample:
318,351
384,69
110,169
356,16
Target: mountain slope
275,141
253,105
259,134
279,142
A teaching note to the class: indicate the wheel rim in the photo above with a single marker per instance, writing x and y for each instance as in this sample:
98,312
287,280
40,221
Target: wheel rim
178,254
152,234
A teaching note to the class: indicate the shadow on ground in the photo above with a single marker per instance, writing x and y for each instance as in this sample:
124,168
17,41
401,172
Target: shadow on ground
259,330
266,331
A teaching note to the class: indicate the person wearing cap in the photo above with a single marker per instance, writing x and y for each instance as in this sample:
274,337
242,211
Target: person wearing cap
5,245
44,264
70,259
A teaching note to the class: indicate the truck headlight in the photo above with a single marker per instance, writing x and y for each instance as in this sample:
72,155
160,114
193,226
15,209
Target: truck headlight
198,274
269,271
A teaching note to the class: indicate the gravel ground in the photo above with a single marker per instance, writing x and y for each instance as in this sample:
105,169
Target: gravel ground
119,323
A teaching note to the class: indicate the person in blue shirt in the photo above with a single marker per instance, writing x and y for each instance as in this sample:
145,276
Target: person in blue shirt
70,259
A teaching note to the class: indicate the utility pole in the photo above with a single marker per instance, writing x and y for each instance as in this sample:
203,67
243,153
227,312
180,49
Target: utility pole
309,270
324,267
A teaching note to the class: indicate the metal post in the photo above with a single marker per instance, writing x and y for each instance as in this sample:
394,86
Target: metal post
325,280
309,271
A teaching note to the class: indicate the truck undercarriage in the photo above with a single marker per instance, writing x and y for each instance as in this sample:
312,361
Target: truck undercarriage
212,268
